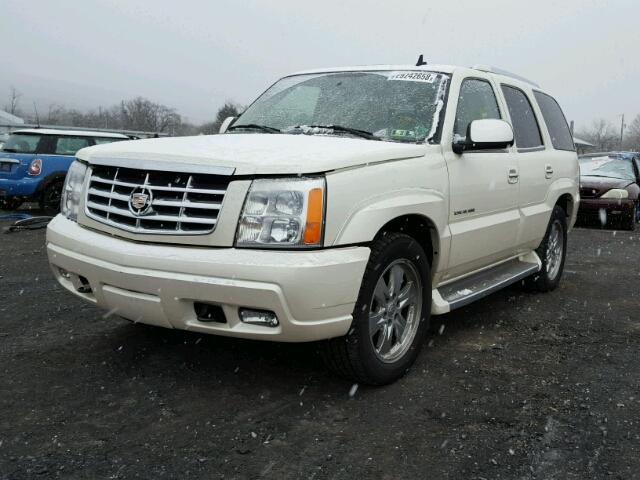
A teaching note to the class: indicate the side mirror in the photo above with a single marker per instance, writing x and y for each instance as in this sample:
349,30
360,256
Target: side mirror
486,134
226,124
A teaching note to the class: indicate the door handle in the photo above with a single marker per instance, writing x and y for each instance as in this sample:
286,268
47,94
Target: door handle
548,171
513,175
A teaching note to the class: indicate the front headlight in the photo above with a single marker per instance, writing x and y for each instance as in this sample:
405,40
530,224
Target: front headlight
285,212
616,193
72,190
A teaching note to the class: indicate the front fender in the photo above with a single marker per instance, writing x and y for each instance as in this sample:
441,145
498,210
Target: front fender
367,218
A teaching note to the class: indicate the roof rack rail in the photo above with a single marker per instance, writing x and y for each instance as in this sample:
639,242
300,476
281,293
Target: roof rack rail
506,73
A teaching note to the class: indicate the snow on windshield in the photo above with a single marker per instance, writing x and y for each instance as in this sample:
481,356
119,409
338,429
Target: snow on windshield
392,105
607,167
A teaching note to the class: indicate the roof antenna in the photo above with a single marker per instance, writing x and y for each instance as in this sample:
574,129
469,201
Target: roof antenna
36,110
420,61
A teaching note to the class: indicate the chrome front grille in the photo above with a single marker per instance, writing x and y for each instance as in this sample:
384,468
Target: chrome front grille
155,201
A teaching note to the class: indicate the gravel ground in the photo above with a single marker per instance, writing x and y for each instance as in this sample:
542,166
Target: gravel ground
516,386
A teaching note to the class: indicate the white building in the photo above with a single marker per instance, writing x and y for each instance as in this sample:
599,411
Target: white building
8,120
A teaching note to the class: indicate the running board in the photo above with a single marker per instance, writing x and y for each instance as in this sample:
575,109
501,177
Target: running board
478,285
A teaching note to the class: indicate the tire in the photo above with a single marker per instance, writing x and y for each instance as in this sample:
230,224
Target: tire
50,198
552,252
630,222
10,204
383,352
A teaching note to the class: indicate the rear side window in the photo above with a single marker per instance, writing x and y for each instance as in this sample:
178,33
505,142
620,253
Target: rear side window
70,145
22,143
476,102
556,123
525,125
103,140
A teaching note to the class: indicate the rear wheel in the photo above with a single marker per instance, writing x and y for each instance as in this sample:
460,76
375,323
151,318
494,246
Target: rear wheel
10,204
390,318
50,199
552,252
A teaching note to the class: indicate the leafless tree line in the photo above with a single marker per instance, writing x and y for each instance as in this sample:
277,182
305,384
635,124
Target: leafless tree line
605,136
138,114
142,114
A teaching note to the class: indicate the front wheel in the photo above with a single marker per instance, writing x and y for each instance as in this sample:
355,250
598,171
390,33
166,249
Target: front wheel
50,200
630,222
552,252
390,318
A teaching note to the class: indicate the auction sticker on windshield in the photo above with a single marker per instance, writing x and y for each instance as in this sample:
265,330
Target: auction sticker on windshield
425,77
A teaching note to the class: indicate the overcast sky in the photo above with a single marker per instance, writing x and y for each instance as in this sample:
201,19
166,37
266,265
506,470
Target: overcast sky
193,55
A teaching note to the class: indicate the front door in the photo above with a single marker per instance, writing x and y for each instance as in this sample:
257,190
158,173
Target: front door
483,209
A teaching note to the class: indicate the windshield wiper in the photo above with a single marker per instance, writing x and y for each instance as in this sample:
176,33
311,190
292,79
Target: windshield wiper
12,150
341,128
255,126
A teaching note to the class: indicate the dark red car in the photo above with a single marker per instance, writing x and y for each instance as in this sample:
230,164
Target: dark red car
609,188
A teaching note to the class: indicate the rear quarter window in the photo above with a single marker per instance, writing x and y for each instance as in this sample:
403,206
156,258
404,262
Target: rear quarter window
556,122
22,143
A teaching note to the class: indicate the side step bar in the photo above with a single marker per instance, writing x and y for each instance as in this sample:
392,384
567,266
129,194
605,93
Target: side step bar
478,285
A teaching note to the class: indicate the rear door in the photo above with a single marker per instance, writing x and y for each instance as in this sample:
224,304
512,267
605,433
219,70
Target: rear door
533,160
560,163
483,205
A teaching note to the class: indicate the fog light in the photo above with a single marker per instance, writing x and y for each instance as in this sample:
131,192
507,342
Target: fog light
207,312
259,317
64,273
82,286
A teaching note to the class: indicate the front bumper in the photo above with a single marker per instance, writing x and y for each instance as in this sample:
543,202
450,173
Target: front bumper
311,292
590,208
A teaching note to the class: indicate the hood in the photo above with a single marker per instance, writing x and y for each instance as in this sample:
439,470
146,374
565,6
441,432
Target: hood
596,186
255,153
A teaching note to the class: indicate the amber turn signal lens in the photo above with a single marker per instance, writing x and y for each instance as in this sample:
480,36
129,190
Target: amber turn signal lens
313,228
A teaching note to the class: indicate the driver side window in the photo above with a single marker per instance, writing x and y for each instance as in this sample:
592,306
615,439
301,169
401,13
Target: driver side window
477,101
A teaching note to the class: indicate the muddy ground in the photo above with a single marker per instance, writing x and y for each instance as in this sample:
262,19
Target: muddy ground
517,386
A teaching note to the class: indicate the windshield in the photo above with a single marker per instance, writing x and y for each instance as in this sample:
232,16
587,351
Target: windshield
21,143
392,105
607,167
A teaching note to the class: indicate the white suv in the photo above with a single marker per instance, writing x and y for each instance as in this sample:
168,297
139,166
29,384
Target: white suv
344,206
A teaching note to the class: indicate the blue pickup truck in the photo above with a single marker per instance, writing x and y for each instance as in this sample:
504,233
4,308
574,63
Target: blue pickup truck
34,162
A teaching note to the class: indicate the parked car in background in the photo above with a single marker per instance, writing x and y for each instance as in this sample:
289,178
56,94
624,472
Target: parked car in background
34,162
610,188
344,206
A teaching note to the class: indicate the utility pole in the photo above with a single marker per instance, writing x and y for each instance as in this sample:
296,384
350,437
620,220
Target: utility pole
621,130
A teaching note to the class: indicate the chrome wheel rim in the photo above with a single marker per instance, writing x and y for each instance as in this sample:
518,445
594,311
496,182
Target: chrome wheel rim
394,313
555,249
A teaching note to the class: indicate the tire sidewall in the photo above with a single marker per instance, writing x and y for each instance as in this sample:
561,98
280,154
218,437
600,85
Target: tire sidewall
402,247
547,283
631,225
49,189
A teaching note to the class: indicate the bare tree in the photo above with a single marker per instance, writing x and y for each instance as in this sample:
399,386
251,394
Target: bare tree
602,135
14,100
229,109
142,114
632,137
